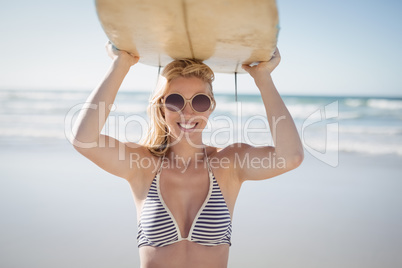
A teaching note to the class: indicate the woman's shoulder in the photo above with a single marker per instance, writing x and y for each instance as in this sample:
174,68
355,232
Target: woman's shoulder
227,151
143,163
227,157
141,150
222,160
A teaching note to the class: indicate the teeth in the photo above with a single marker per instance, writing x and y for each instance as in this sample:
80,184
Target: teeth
187,126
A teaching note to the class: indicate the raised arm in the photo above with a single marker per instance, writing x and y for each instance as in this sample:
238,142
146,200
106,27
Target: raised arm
287,152
105,151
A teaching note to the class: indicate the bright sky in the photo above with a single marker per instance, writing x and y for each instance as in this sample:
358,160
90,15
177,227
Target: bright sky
351,47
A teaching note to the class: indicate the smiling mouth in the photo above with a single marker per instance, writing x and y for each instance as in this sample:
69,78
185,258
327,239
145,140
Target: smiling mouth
187,126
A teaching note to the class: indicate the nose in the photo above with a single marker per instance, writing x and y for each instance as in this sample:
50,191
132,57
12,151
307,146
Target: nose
187,108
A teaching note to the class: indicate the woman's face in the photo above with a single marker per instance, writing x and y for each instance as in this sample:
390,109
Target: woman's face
187,123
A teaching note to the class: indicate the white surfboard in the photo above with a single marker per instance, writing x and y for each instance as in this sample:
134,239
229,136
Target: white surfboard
222,33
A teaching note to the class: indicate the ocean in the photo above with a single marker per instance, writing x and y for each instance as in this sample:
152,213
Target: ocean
368,125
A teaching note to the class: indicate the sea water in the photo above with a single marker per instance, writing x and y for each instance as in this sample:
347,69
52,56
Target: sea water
368,125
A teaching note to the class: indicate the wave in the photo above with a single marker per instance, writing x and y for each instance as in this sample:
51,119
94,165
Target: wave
354,102
27,95
353,146
350,115
385,104
370,148
370,130
49,120
32,132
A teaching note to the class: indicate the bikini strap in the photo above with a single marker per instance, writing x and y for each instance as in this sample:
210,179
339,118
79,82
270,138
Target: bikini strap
161,165
206,157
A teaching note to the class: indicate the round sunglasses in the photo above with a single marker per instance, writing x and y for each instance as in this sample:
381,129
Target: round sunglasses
200,103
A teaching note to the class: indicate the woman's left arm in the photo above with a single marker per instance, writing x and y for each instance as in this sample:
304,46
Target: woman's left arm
288,151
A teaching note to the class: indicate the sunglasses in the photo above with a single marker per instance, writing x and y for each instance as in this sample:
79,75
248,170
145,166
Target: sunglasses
199,102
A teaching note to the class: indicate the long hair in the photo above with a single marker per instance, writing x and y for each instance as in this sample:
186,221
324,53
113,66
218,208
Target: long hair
158,137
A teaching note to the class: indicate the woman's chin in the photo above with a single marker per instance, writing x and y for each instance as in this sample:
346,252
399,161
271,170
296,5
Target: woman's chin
190,137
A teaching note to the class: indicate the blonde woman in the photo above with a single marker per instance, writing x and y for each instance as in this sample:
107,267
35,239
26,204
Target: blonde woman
185,198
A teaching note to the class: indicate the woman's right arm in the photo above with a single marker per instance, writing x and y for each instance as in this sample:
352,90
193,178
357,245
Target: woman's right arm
107,152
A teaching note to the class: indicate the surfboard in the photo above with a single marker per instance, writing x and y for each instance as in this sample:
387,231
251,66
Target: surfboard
222,33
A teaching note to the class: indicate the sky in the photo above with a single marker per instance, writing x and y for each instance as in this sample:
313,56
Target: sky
347,47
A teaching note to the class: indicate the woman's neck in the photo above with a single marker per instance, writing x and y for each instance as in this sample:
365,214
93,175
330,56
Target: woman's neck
189,153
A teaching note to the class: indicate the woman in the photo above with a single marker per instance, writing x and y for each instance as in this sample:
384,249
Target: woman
186,196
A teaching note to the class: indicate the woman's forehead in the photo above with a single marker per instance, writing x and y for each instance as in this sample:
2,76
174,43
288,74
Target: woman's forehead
188,86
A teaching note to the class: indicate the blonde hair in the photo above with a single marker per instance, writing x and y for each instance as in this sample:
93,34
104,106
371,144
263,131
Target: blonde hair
158,138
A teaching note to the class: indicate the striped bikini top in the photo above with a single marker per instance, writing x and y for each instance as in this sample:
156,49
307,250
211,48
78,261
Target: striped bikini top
212,225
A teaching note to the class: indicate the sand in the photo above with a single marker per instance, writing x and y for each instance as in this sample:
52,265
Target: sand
60,210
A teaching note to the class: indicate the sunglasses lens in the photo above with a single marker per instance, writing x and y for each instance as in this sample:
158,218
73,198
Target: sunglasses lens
201,103
174,102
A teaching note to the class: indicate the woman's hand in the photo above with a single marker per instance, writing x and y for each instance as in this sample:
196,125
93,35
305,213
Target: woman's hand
117,54
263,69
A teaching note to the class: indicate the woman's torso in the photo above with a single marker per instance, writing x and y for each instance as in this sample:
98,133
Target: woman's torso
184,191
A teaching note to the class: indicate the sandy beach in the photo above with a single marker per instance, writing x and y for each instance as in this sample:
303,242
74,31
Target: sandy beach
60,210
